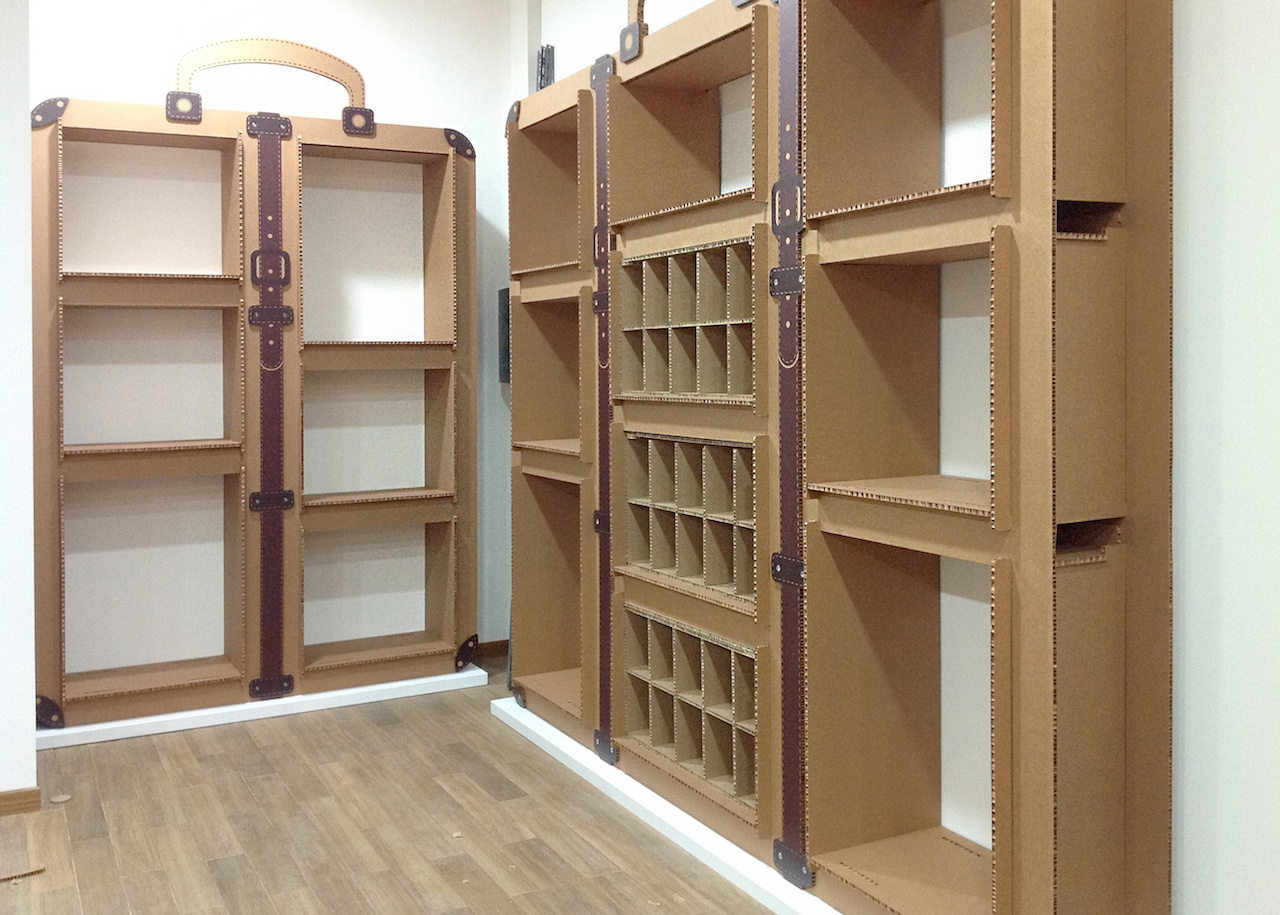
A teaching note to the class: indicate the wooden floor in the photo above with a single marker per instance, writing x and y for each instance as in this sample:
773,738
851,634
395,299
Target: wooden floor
426,804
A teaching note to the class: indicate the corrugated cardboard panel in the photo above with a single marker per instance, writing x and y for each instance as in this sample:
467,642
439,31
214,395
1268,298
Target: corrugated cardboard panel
1089,378
1090,635
544,193
545,399
1089,109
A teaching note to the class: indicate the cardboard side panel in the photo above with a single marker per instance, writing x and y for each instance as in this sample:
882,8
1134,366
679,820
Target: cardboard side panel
1089,86
1089,378
1003,269
544,196
1091,721
545,399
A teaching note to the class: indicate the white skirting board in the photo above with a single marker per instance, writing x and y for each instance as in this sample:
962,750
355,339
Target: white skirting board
748,873
48,739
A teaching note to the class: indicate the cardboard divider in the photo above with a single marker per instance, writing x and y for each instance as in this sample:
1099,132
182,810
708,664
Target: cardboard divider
684,328
665,126
898,100
877,729
690,511
691,699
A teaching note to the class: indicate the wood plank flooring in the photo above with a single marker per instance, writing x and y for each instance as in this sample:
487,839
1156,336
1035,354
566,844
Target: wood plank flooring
425,804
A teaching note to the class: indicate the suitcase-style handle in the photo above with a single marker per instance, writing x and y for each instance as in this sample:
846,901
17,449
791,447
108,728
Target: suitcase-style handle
184,105
631,41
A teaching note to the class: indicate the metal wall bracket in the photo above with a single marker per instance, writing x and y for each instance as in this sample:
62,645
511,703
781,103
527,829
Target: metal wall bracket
271,501
600,522
49,713
358,122
268,122
600,302
786,281
461,145
466,652
47,112
270,314
184,107
793,866
271,687
605,748
786,570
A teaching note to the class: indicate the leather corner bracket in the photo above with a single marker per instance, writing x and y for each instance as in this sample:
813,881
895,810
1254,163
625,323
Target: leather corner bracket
461,145
358,122
184,107
47,112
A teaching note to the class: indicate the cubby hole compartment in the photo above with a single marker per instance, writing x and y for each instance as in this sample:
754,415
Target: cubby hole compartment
546,618
153,584
546,197
133,375
703,299
147,204
898,98
902,772
683,134
545,370
377,593
690,511
683,701
913,355
377,260
378,431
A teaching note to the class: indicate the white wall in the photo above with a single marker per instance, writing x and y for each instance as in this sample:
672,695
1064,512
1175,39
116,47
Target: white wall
420,64
1227,434
17,630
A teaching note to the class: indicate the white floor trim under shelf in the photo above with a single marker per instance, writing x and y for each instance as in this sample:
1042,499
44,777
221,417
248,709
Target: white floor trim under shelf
749,874
251,711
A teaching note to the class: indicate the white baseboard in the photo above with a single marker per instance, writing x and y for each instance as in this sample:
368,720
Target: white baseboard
748,873
48,739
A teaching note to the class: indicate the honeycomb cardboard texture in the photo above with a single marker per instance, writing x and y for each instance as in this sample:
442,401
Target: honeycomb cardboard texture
1068,508
125,286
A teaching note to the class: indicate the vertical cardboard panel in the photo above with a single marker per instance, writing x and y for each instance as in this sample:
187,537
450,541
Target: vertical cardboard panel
1090,635
1089,378
545,396
544,200
1003,270
1002,773
547,629
1003,162
1089,109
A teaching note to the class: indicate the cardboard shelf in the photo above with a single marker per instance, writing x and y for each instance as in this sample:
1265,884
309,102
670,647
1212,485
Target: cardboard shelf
688,695
941,493
354,652
562,688
927,871
686,328
333,357
133,460
895,106
101,684
123,290
372,496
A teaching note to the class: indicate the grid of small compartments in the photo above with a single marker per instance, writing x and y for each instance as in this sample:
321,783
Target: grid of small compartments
691,511
692,698
686,323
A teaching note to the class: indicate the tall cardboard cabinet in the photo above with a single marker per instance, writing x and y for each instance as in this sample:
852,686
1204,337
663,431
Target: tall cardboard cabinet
881,439
182,389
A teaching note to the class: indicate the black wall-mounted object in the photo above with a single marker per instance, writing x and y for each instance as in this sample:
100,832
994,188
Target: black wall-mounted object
546,66
504,335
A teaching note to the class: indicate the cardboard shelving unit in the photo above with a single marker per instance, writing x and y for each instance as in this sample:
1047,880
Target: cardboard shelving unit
960,674
149,406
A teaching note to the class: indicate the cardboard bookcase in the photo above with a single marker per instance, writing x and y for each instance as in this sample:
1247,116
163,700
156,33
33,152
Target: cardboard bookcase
222,298
959,384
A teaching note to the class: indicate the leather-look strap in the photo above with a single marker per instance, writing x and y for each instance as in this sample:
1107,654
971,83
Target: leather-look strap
787,284
271,273
600,74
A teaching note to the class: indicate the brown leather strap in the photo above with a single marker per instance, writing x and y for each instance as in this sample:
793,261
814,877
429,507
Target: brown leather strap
788,565
600,74
271,273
